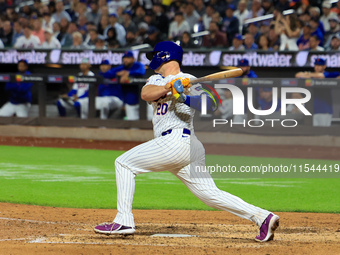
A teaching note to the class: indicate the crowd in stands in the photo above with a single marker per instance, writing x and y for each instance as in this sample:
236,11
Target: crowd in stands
88,24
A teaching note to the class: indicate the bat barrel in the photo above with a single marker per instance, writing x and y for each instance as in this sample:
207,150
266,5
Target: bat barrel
219,76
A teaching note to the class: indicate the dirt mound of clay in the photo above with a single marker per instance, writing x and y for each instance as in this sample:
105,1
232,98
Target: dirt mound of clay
27,229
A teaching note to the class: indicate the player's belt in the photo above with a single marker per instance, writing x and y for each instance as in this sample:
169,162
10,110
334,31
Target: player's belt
185,131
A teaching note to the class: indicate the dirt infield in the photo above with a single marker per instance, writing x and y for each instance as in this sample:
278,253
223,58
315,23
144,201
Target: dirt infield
45,230
27,229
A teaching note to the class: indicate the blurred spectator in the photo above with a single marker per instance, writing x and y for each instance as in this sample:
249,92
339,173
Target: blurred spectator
162,20
66,31
216,38
20,95
247,72
336,9
111,36
216,17
51,42
334,29
288,29
335,43
100,43
93,14
178,26
47,21
1,44
3,6
27,41
142,32
82,21
191,15
129,68
110,96
51,7
90,42
230,24
153,36
242,14
128,24
56,31
314,12
6,33
11,15
36,6
186,41
253,29
249,43
200,7
237,43
314,42
149,18
267,6
256,10
303,41
139,15
17,32
120,30
77,41
60,12
264,43
327,14
38,31
207,16
103,24
77,97
282,5
131,37
316,29
264,28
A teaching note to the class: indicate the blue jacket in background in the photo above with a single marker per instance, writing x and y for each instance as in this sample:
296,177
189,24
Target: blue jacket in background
130,92
110,89
20,92
323,102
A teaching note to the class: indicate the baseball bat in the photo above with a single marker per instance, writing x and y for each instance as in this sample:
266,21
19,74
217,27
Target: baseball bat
219,76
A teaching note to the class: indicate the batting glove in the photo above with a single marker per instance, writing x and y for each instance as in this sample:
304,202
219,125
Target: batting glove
179,95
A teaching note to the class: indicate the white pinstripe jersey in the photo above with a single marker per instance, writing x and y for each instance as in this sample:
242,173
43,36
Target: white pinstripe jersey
81,87
168,113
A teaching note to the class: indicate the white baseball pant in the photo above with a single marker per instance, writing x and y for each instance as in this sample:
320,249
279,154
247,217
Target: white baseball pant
180,155
20,110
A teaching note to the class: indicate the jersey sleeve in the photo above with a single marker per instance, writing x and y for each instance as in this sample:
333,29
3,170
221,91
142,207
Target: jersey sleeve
155,80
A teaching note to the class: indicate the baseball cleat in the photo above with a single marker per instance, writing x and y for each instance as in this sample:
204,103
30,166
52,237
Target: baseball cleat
114,229
268,228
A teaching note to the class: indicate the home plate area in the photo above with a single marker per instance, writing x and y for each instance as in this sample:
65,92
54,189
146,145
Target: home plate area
44,230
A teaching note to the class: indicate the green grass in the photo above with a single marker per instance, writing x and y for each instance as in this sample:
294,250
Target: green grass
85,179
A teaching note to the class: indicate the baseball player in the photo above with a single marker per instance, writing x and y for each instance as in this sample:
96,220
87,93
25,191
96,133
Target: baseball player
20,95
78,96
175,148
130,68
323,109
109,95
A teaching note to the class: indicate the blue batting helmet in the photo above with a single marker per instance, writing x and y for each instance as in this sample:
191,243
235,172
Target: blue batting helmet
164,52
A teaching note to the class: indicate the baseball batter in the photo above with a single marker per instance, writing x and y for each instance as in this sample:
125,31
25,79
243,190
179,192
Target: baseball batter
175,148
